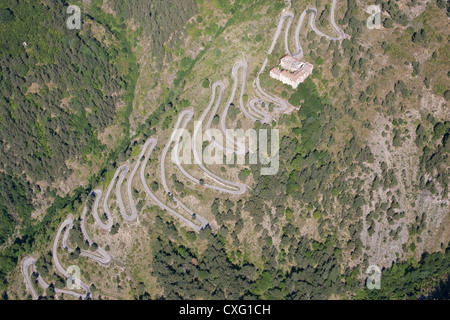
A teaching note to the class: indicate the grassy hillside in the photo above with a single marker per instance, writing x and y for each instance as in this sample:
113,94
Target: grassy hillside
364,156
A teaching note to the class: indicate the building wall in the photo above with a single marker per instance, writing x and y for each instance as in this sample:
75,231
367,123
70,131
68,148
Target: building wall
286,79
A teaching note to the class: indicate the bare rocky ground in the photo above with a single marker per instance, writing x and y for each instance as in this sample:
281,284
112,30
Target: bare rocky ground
381,248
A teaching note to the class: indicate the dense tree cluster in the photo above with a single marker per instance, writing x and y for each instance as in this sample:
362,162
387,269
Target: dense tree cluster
76,84
163,20
59,88
14,198
435,145
211,275
327,187
411,280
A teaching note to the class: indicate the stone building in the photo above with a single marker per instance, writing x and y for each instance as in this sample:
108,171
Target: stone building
290,63
291,71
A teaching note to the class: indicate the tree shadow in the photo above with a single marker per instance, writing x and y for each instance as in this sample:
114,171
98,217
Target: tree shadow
441,291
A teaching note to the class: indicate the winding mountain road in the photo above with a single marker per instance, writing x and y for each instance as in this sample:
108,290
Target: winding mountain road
230,187
28,262
59,268
250,111
299,51
130,182
100,255
105,202
123,210
188,114
152,142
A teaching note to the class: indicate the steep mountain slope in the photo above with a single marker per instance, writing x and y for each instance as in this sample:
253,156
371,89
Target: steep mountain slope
363,160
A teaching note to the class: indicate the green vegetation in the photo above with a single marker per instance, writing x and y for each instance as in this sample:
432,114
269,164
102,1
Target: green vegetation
167,16
58,93
413,280
330,183
435,146
216,277
205,83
